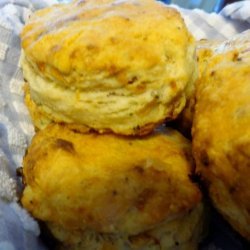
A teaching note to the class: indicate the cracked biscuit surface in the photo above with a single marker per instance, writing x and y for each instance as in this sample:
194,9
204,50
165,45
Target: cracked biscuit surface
120,66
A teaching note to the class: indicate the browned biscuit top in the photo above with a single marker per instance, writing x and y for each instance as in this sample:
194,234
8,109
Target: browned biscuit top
71,42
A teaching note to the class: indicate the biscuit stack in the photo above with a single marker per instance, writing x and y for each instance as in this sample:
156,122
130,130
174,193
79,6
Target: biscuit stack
100,77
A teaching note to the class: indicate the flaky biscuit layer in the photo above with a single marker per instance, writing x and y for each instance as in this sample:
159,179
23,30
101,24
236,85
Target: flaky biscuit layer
122,66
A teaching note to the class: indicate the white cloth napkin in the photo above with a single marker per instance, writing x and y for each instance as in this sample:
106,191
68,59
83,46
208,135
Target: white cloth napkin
17,229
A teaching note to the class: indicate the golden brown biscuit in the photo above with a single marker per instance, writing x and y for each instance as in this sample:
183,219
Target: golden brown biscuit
120,66
113,186
205,50
221,134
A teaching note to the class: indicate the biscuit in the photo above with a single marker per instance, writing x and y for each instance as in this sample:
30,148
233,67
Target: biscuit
221,133
114,186
205,50
120,66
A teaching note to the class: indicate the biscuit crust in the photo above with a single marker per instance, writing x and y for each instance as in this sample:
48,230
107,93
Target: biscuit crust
221,133
205,51
110,65
107,183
